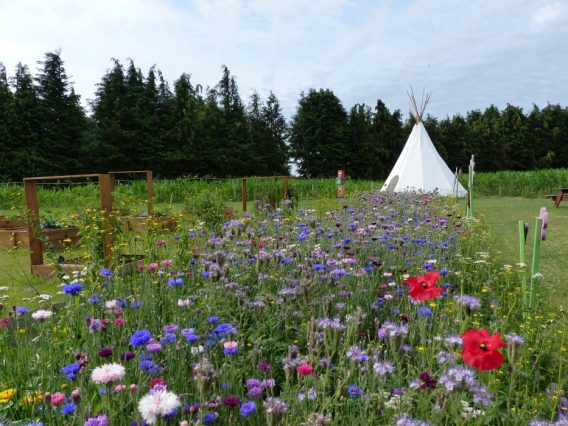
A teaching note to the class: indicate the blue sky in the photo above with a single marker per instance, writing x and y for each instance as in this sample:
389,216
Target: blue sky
469,54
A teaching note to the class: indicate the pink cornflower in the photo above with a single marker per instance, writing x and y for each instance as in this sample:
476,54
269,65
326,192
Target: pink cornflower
152,266
167,262
108,373
305,369
57,398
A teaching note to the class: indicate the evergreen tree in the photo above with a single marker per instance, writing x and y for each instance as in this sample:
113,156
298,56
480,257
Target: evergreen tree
181,151
517,154
390,138
318,137
365,155
276,149
235,151
7,145
107,105
63,118
26,127
267,132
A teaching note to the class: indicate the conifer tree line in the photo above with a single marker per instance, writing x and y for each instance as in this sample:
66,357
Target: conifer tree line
138,121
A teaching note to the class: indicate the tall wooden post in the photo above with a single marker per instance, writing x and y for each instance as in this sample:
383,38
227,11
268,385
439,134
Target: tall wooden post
523,260
106,207
285,187
150,191
36,250
244,194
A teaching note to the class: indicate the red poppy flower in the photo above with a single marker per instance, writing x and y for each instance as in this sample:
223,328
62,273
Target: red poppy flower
424,287
481,349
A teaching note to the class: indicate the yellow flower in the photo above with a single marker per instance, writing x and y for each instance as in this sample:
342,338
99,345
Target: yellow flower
7,395
32,398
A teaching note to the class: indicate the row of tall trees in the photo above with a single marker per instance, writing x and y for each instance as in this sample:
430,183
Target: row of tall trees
137,121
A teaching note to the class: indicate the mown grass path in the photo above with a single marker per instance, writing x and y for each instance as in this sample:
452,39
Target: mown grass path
501,216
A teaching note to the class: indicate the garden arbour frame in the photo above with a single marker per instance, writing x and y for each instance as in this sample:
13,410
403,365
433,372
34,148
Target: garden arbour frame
32,202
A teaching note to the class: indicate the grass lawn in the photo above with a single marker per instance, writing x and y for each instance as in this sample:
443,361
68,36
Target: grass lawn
501,216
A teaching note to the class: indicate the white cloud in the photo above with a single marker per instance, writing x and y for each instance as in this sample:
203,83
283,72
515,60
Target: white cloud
469,54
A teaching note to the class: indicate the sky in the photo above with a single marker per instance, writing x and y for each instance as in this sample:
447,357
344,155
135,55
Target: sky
468,54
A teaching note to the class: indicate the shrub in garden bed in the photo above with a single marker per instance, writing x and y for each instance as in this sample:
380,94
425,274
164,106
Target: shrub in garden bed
385,311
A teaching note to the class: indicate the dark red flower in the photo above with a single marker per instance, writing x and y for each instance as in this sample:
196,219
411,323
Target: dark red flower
232,401
157,381
105,352
424,287
428,382
481,349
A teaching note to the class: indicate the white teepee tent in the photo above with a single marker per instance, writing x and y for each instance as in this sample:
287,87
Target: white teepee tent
419,166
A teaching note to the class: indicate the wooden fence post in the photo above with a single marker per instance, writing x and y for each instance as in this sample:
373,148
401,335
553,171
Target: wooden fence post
150,191
285,187
36,250
244,194
105,187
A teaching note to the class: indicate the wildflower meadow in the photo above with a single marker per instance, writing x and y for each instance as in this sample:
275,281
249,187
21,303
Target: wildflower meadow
380,309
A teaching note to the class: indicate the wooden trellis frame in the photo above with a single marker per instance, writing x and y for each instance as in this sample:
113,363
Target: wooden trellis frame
32,202
149,185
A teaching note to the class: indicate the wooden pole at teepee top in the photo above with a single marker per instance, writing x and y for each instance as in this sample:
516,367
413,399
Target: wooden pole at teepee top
418,112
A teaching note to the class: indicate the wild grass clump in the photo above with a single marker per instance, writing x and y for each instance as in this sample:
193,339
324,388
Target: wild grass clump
370,313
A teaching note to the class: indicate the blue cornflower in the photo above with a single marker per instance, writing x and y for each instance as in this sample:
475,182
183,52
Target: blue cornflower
209,418
107,273
425,311
33,424
206,274
247,408
21,310
141,337
171,414
175,282
94,299
354,391
213,319
222,330
168,338
71,370
72,289
192,338
148,365
68,408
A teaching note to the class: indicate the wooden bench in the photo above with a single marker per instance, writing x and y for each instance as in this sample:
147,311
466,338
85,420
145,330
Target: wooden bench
561,195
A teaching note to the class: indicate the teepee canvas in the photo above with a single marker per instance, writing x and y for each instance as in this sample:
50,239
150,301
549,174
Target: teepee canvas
419,166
